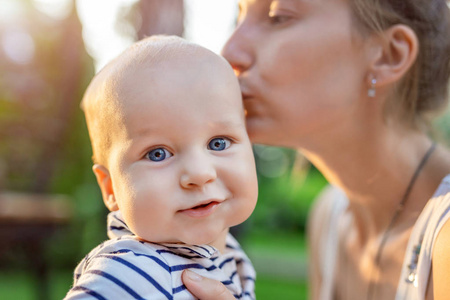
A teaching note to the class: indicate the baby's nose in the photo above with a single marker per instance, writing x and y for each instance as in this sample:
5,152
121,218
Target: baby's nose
197,173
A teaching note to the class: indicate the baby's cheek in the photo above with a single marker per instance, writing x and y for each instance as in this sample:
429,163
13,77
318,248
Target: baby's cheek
142,226
246,190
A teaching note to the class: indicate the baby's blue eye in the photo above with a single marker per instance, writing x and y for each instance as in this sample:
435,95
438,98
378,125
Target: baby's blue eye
158,154
219,144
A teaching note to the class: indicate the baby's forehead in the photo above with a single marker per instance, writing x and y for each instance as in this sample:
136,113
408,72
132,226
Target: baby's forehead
165,67
168,58
186,64
159,66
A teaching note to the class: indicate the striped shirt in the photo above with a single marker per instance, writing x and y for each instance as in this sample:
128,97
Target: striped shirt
125,267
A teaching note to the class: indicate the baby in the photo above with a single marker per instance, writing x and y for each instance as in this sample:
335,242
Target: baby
176,170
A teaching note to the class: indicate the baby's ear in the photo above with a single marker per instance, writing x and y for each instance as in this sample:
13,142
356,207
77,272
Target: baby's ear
105,184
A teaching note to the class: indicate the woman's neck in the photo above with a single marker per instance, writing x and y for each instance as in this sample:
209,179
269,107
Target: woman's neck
374,171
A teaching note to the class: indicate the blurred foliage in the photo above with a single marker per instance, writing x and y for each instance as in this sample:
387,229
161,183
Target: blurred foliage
39,96
288,185
442,128
44,144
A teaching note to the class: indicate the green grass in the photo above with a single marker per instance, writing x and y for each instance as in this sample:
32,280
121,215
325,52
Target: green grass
16,285
280,262
269,288
19,284
286,243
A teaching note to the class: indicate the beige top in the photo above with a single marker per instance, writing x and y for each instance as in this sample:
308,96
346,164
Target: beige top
417,262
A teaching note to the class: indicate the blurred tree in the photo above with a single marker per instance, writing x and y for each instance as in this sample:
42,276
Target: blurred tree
150,17
160,17
44,71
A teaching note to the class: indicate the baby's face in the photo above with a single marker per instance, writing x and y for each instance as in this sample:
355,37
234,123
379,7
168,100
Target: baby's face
182,169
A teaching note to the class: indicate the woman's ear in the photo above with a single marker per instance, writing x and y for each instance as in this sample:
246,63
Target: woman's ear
395,51
105,184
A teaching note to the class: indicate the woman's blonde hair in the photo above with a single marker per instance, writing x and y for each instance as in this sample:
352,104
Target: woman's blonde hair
424,89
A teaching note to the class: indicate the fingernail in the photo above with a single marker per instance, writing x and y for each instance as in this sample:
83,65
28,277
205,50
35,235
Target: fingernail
193,276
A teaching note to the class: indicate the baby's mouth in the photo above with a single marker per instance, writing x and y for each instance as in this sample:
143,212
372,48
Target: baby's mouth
204,205
201,210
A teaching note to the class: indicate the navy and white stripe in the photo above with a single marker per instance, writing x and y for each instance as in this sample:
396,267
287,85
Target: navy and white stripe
125,267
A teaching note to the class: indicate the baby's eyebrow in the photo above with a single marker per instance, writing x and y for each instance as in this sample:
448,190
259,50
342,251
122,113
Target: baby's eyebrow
227,124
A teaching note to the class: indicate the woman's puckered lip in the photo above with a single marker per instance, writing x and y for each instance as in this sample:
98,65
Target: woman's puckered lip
246,96
245,90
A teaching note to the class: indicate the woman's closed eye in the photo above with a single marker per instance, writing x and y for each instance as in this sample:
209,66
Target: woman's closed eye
158,154
281,12
277,18
219,144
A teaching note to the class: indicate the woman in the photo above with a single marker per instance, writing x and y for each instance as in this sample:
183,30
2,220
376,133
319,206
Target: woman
352,84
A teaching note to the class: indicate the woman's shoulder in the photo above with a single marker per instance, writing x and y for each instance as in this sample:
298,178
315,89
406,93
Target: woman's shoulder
322,224
431,238
441,245
444,187
437,210
329,202
440,210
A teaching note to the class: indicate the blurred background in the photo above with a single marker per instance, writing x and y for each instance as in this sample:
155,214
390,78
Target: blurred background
51,212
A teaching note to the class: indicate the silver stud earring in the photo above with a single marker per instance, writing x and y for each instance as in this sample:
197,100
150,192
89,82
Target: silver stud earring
371,92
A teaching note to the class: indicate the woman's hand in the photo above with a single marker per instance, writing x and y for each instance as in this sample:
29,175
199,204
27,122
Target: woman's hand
205,288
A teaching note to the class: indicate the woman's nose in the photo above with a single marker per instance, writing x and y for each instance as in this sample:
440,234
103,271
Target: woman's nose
238,49
197,172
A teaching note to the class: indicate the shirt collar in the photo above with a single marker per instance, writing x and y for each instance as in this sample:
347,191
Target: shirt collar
117,228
